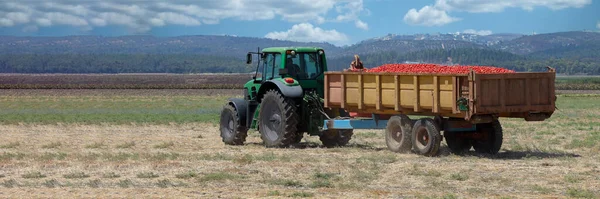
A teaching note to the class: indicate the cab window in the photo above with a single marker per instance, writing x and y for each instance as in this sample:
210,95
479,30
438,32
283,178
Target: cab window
272,64
304,65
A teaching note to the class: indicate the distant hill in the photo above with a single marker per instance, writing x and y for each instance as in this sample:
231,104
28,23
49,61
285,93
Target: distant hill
543,42
485,40
139,44
404,46
460,56
569,52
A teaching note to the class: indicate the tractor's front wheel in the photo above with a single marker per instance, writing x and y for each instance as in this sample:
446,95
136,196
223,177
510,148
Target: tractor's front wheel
277,120
334,138
232,132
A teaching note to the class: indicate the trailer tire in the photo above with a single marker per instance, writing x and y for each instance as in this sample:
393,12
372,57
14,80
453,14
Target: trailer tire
456,144
298,138
398,134
493,141
426,137
278,120
232,132
335,138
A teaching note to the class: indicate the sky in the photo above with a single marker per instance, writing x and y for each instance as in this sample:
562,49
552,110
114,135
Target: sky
340,22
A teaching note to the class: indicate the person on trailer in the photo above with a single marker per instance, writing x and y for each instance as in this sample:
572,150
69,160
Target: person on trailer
356,65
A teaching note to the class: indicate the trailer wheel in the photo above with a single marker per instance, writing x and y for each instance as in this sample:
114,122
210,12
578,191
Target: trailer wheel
298,138
232,133
492,141
333,138
426,137
278,120
398,134
456,144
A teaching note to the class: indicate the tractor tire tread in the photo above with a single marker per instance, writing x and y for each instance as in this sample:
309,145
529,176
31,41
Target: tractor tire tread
240,132
291,118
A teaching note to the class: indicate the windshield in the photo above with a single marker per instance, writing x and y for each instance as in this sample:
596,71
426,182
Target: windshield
304,65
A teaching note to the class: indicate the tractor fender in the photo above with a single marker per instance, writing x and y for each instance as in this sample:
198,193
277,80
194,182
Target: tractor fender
293,91
241,106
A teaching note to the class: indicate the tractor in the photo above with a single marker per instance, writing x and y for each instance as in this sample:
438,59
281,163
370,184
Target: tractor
283,100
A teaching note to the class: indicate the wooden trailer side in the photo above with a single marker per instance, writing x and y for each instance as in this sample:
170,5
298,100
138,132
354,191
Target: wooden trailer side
523,95
389,93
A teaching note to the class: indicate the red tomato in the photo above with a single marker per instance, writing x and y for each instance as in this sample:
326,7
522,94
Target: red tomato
437,69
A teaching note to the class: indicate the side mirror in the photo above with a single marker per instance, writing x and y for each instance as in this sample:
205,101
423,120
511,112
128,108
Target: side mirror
283,71
248,58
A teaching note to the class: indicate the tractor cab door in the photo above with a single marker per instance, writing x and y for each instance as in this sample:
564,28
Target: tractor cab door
272,64
307,69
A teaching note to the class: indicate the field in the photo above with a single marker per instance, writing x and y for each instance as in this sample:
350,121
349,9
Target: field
154,143
188,81
578,82
123,81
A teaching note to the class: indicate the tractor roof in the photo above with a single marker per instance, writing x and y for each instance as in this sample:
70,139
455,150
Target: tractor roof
297,49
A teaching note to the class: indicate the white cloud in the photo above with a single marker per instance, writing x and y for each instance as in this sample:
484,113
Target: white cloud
478,32
30,28
6,22
141,16
65,19
482,6
349,11
320,20
362,25
98,22
428,16
179,19
43,22
306,32
70,9
441,8
18,17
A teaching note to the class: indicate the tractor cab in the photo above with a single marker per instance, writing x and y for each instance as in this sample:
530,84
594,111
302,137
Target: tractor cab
293,66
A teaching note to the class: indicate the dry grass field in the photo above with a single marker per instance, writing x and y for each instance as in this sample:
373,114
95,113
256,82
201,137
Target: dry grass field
124,81
183,157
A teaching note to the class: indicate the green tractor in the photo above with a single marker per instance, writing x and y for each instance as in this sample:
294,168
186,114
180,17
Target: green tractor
283,101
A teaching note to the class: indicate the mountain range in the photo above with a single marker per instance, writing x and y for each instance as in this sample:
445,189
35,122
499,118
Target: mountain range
564,47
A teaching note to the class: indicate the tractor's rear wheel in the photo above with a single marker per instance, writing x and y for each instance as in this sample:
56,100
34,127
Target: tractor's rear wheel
492,141
426,137
398,134
278,120
334,138
232,132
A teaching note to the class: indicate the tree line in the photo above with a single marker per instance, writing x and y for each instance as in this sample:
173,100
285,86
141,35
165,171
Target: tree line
569,61
120,63
583,64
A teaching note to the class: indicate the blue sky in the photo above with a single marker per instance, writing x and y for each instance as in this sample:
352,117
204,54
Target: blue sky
341,22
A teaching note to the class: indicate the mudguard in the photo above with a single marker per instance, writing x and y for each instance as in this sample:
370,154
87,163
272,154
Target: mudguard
241,106
288,91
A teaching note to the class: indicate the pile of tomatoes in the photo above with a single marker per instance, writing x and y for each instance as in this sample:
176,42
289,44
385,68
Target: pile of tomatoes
437,69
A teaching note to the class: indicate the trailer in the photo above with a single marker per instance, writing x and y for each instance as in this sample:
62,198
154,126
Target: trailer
293,93
465,107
